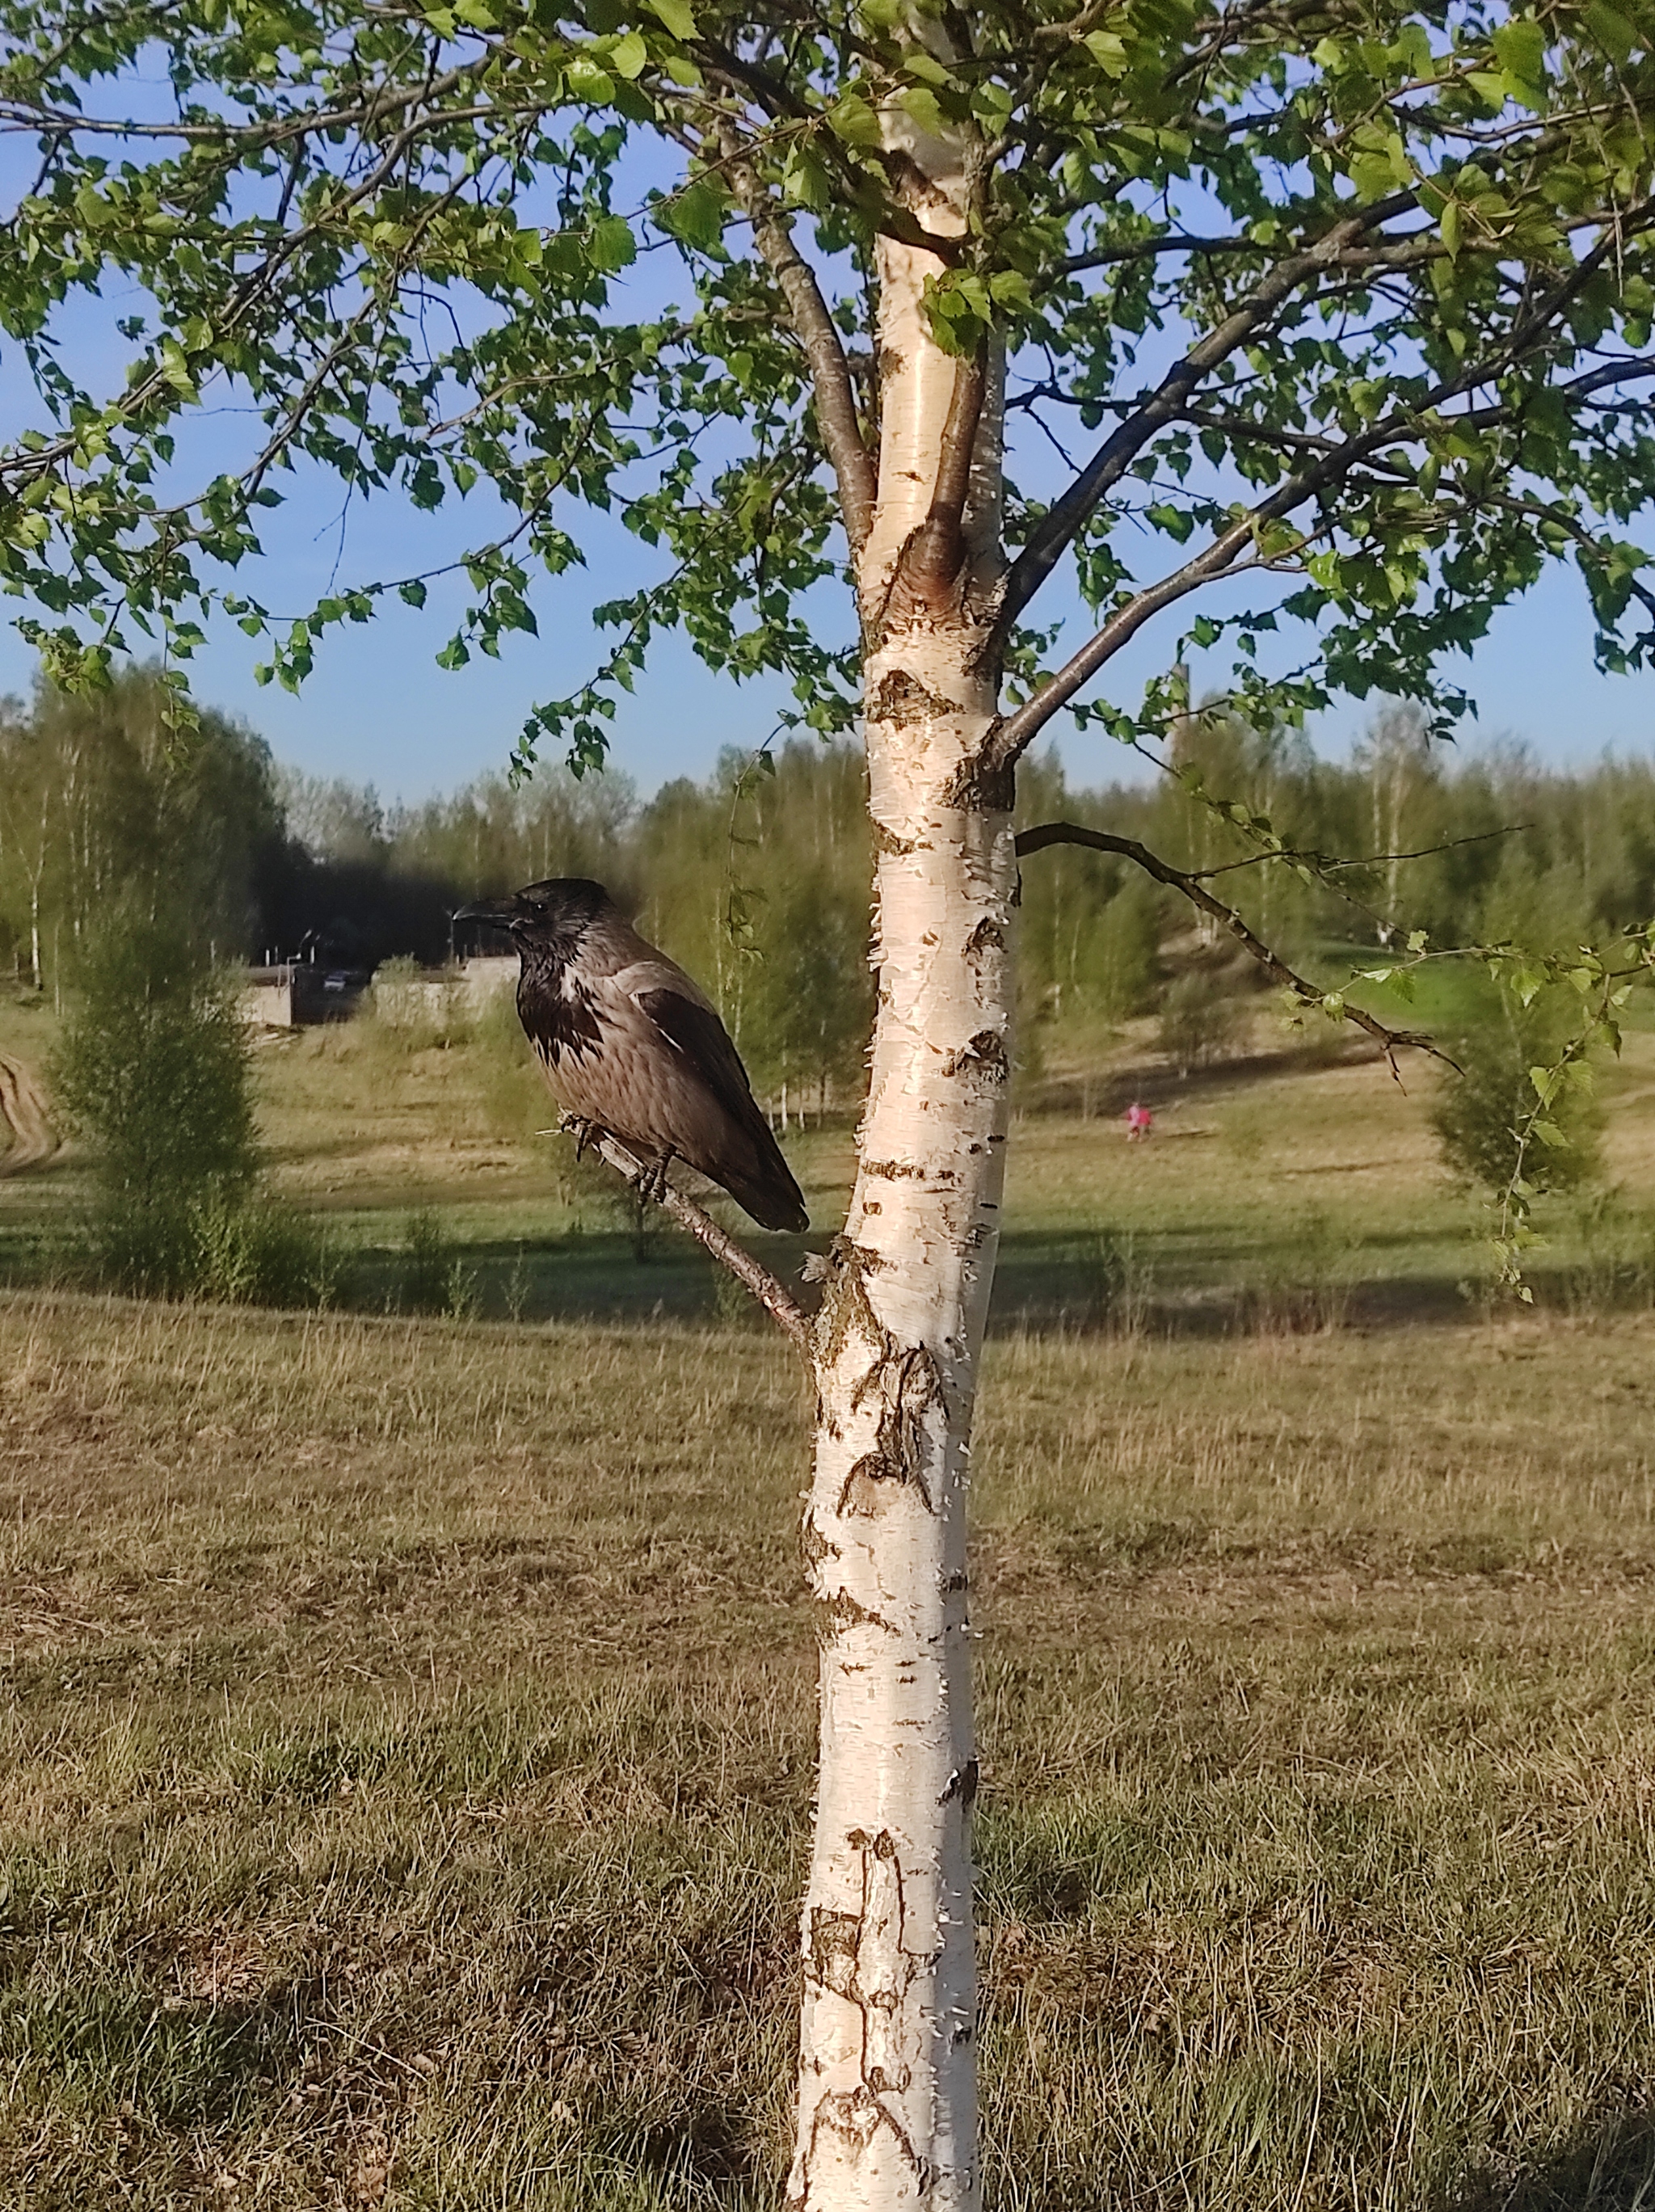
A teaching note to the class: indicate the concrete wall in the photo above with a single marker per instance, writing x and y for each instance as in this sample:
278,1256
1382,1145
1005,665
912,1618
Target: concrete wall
267,998
293,994
443,994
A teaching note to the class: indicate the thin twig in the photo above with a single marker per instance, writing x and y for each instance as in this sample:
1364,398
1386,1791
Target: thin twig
1325,863
756,1279
1390,1041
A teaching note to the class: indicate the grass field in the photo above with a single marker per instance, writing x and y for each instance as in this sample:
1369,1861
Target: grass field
409,1740
409,1727
1287,1188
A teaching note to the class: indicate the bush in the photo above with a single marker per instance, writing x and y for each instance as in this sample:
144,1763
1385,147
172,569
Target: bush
1198,1021
1613,1263
152,1071
433,1280
408,1010
515,1098
1478,1115
262,1254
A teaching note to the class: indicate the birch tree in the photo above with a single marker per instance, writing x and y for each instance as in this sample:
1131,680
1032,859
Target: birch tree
1308,330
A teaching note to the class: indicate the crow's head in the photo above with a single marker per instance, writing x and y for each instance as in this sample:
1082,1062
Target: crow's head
556,913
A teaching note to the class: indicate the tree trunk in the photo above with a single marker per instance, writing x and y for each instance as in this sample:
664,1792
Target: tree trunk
888,2101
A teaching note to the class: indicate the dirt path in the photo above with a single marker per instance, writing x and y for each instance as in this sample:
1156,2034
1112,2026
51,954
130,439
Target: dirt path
26,1128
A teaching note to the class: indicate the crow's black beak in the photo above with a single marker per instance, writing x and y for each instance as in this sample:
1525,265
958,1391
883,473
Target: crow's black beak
499,913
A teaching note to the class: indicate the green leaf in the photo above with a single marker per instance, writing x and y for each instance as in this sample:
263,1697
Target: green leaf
851,119
678,18
587,81
1520,46
1612,31
695,216
627,56
1108,51
610,245
806,179
1176,521
919,101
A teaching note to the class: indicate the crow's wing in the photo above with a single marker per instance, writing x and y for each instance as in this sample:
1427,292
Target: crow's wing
752,1168
697,1032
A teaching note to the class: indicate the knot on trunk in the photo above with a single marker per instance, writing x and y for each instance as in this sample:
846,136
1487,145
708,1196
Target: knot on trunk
908,1384
844,1268
986,1052
834,1614
902,700
979,788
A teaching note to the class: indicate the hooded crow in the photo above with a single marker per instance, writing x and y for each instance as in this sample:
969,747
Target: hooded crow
628,1042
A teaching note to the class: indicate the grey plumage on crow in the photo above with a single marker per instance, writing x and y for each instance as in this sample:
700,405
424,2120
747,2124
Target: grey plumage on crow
630,1043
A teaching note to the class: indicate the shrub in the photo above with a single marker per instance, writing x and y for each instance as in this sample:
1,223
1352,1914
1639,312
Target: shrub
515,1099
408,1010
1198,1021
433,1280
1478,1117
263,1254
153,1064
153,1072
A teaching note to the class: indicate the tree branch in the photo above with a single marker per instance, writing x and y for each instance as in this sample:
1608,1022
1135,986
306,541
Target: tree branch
835,395
1149,249
754,1279
1393,251
1062,521
1390,1041
1009,738
1325,864
933,555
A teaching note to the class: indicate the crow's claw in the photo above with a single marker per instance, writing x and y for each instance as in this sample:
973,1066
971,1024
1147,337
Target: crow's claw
652,1183
583,1132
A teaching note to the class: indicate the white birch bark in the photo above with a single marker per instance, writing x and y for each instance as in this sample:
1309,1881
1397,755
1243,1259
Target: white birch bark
888,2103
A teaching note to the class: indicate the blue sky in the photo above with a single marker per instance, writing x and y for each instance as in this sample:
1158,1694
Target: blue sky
378,710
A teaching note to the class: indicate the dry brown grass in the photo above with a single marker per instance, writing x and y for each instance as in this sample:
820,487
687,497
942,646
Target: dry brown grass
407,1764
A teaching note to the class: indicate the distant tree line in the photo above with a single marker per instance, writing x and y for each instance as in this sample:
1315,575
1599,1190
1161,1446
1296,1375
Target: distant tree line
758,877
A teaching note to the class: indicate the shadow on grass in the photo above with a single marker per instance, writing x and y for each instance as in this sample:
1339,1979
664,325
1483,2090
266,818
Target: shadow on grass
1610,2167
179,2061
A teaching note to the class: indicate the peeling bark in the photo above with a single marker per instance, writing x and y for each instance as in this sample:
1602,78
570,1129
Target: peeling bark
888,2109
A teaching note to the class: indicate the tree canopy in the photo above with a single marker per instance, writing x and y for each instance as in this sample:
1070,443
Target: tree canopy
1353,300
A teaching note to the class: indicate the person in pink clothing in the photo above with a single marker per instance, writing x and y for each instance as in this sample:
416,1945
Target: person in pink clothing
1139,1121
